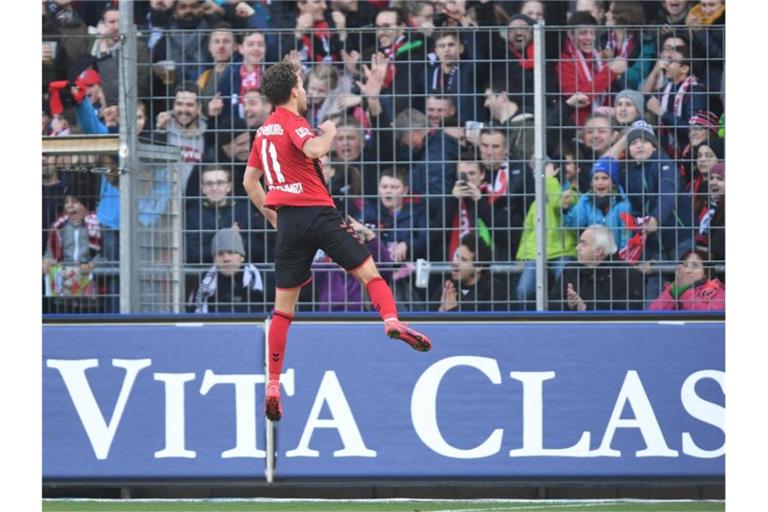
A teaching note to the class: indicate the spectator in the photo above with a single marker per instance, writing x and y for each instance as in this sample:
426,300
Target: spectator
184,128
600,280
511,187
221,47
256,109
440,111
451,76
632,44
471,208
404,54
655,189
427,151
230,285
216,210
240,77
706,20
419,16
692,289
606,205
355,14
228,142
181,51
512,71
710,217
597,138
104,50
345,185
73,251
707,154
594,7
317,36
582,72
400,219
334,289
629,107
702,127
506,115
330,94
560,243
534,9
54,190
472,286
681,98
64,39
401,222
671,13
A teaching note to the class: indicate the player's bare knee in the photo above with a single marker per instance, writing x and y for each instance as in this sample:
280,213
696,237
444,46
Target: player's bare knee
366,272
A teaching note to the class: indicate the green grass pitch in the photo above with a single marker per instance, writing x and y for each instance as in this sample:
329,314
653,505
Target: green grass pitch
404,505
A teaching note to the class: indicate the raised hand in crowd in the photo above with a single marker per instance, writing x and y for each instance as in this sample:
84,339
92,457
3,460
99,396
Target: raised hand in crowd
466,189
618,66
574,300
449,299
243,10
216,105
351,60
162,120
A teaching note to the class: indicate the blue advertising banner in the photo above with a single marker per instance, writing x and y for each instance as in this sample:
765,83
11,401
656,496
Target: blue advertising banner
492,399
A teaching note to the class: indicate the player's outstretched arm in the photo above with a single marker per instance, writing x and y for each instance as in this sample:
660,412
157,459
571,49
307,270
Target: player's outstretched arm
252,185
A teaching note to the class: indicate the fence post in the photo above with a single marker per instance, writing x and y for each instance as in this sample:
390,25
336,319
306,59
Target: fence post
127,88
539,153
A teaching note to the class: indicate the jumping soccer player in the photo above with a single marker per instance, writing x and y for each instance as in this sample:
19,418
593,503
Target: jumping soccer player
298,204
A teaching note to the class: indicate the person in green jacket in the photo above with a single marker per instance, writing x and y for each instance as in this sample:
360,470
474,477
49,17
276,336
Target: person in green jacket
561,242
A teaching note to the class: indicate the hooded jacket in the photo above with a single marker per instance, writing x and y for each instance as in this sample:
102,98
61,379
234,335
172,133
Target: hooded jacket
560,242
585,213
654,188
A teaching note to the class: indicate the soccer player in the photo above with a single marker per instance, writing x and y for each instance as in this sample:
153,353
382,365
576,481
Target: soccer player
298,204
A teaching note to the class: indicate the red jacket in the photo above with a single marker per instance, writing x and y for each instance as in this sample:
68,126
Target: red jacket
709,296
585,76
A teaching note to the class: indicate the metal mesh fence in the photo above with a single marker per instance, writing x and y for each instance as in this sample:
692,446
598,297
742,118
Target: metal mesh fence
434,159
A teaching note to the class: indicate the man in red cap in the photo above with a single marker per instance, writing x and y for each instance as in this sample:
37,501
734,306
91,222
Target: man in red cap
90,81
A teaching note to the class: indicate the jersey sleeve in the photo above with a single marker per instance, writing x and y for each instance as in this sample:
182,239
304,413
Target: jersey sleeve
300,132
254,159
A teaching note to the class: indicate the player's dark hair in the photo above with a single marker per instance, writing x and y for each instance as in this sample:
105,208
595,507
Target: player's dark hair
277,82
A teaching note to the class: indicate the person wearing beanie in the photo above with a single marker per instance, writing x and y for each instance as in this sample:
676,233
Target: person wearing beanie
584,78
231,285
606,204
710,217
657,193
702,127
629,107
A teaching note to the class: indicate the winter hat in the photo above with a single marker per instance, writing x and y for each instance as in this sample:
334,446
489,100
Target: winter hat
706,119
227,239
89,77
530,21
607,165
636,98
718,168
641,130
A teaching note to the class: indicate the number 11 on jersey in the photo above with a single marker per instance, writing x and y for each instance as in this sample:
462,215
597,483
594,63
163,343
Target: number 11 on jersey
275,164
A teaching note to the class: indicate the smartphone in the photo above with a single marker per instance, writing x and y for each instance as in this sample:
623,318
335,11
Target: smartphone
461,183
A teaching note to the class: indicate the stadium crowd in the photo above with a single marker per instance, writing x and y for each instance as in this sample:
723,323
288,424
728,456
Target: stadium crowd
433,159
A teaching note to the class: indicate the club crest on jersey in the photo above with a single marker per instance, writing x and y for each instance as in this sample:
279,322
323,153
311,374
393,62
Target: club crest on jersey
302,131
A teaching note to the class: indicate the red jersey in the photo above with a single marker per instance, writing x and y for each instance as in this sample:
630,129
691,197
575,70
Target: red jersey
292,178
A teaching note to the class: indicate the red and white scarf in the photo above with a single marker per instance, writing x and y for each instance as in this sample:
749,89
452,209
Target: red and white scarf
391,53
322,34
585,72
500,185
679,96
249,81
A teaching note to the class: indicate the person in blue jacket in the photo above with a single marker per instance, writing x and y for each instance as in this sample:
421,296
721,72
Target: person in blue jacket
657,193
605,205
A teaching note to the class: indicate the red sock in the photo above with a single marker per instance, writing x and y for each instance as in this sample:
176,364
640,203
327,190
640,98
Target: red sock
278,335
381,298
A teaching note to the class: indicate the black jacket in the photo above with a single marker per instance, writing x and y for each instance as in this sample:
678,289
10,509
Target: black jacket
612,285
